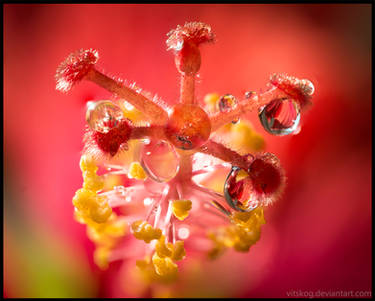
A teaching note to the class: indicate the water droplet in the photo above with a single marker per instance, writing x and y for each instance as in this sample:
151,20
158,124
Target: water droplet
238,190
124,146
280,117
307,87
226,103
183,232
250,94
148,201
159,160
154,188
102,116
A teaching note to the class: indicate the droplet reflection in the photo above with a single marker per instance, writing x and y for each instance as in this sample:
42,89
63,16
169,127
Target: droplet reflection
280,117
226,103
238,190
102,116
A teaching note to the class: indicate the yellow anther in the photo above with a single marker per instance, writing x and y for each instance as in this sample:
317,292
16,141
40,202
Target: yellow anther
116,228
215,252
142,263
110,181
244,137
91,181
211,100
162,249
84,199
179,252
174,251
226,128
101,256
164,266
241,175
144,231
181,208
244,239
241,235
257,142
107,233
79,216
87,163
136,171
147,269
219,244
131,112
252,219
100,213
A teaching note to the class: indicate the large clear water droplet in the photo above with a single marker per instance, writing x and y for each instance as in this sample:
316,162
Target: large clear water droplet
104,115
307,87
280,117
238,190
159,159
226,103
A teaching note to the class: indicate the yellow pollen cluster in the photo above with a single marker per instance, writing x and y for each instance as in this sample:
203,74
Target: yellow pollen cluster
136,171
245,138
106,236
87,202
144,231
162,266
241,235
131,112
211,100
104,228
181,208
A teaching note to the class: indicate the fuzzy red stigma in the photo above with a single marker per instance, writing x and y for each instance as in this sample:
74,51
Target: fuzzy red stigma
300,90
108,143
188,59
266,177
75,68
193,32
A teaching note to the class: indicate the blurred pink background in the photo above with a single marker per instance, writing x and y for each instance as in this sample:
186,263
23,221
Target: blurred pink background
317,237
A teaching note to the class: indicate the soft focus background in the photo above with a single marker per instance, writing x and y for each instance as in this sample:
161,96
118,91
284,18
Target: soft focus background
317,237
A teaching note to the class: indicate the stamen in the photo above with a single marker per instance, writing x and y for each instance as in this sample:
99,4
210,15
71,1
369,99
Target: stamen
164,197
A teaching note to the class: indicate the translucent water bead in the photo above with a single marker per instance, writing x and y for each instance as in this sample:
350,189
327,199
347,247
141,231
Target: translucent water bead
238,190
159,159
226,103
280,117
307,87
104,115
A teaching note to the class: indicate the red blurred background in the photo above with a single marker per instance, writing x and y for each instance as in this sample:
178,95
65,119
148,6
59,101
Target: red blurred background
317,237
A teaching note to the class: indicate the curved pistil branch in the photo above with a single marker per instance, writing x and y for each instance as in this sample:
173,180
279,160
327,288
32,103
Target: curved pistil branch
245,106
80,65
156,113
224,153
